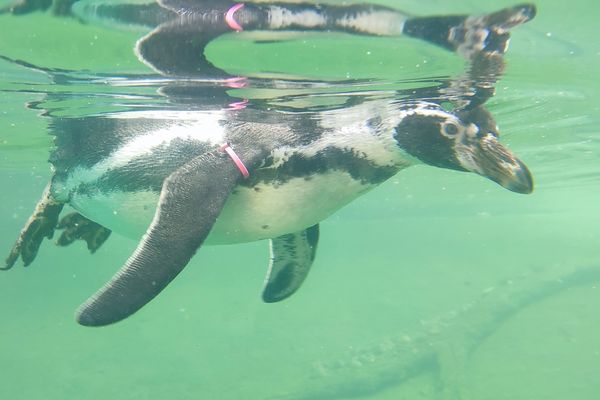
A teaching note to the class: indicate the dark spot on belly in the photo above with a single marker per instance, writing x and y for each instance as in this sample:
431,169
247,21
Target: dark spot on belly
265,226
257,189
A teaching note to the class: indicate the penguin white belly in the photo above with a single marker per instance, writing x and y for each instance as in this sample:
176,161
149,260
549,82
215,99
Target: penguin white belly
260,212
267,211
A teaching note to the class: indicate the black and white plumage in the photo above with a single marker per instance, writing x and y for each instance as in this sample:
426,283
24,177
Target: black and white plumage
161,175
133,162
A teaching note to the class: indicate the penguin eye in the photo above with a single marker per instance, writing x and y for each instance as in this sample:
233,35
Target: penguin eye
450,129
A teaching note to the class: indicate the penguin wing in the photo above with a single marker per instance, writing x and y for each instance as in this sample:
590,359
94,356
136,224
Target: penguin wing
292,256
190,201
177,48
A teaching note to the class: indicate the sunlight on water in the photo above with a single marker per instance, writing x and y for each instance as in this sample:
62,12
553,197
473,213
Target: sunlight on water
436,284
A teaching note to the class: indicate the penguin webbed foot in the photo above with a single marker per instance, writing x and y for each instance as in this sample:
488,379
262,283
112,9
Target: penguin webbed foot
40,225
77,227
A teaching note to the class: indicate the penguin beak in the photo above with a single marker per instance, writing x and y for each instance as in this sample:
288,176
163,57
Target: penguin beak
489,158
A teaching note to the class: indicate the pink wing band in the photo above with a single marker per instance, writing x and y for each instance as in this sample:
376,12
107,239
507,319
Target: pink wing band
226,148
233,24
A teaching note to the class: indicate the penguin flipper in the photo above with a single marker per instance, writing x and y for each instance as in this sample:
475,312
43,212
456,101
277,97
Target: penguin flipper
177,48
190,201
292,256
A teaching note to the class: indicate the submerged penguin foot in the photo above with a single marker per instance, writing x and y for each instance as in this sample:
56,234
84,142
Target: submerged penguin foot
77,227
40,225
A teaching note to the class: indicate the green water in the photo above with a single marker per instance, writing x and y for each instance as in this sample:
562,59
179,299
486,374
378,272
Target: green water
477,279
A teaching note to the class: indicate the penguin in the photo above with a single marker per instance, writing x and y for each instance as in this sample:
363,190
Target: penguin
189,178
181,29
182,177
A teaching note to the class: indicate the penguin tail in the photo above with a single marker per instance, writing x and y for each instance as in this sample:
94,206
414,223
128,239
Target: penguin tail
471,36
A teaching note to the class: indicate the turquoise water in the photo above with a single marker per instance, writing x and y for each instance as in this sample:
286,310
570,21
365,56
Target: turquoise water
437,284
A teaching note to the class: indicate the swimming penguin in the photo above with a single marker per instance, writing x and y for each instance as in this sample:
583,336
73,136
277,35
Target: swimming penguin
237,176
183,178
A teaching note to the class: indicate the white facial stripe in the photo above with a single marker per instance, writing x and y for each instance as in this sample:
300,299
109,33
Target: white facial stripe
428,111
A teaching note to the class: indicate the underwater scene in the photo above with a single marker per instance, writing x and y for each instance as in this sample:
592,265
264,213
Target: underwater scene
291,200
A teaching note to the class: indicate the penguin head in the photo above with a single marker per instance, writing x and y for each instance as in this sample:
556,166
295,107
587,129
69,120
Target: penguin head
464,140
